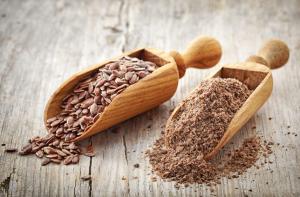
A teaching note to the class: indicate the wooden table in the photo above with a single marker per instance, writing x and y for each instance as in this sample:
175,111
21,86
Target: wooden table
44,42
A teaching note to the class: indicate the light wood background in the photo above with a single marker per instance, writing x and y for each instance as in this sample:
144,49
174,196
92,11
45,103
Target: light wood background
44,42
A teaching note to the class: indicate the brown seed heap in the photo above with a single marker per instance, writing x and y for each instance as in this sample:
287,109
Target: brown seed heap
85,104
196,130
82,107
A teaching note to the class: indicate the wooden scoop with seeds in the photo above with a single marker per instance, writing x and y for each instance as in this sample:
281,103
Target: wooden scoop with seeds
256,74
147,93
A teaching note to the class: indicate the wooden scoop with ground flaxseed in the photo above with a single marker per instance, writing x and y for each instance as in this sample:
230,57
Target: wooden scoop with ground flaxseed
256,74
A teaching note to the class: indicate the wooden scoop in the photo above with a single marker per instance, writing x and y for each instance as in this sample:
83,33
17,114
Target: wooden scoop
256,74
149,92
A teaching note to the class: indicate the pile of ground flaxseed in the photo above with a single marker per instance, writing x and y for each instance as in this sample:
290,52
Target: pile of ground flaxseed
197,128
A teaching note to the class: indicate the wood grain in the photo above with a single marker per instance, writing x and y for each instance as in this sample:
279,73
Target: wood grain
45,42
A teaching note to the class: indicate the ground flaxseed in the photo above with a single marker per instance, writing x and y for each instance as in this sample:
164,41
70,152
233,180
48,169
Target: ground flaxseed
197,128
205,115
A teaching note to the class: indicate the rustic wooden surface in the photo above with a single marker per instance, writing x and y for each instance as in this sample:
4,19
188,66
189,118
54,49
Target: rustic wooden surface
44,42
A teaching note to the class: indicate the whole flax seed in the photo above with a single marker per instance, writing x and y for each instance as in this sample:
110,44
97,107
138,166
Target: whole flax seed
196,130
82,107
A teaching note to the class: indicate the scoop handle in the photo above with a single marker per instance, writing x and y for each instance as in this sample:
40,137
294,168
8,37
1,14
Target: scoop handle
274,54
203,52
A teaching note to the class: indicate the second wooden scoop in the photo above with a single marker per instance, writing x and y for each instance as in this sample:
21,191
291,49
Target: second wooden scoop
256,74
149,92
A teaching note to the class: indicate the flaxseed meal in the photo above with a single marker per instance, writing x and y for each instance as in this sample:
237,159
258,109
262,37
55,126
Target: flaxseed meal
197,129
206,114
82,107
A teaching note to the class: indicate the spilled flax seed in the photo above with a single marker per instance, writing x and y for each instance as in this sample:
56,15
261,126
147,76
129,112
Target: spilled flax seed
196,129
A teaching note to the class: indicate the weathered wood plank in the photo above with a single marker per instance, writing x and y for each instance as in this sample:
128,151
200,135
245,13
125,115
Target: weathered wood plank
44,42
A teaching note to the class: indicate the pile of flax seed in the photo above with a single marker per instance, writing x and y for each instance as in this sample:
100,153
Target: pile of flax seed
82,107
